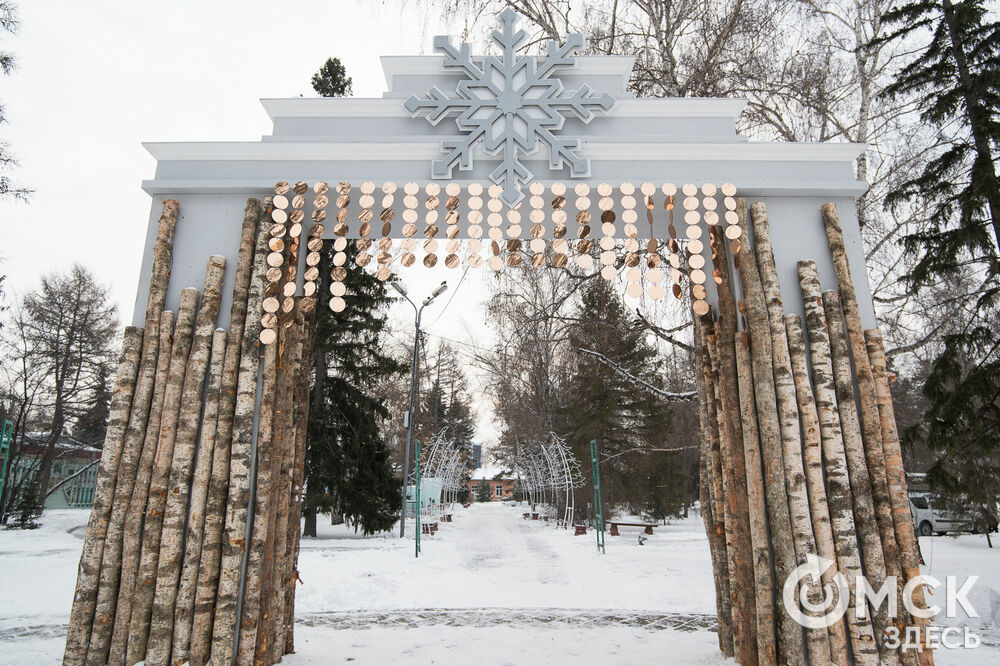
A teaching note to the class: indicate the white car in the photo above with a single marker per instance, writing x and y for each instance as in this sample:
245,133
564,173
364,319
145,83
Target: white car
928,520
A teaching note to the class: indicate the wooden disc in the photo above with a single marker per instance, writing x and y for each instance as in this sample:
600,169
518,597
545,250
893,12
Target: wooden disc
281,187
271,304
315,244
279,216
559,260
363,259
474,260
585,261
634,289
274,259
383,273
339,273
307,304
698,291
268,336
451,261
338,288
430,260
608,273
700,308
321,187
289,289
273,274
407,259
269,320
538,260
312,259
514,259
311,274
309,288
337,304
318,216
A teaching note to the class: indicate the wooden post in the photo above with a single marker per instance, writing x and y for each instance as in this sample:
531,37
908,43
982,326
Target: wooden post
262,510
896,476
789,633
142,602
132,542
238,500
85,597
812,454
215,511
194,535
715,522
175,515
764,583
873,559
817,642
871,426
734,469
838,485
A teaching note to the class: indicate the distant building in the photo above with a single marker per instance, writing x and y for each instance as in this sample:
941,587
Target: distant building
72,456
477,456
500,489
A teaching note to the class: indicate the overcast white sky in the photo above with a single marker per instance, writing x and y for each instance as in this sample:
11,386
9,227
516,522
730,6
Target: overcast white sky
95,79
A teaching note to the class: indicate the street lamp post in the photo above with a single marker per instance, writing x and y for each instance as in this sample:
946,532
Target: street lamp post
413,389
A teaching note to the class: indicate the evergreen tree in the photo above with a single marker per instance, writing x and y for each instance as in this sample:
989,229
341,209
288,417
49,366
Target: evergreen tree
348,463
483,491
628,422
332,80
954,80
92,425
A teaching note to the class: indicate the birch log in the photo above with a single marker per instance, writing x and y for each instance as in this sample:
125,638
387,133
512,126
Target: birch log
85,599
142,602
871,426
272,645
817,643
731,571
812,454
903,520
301,430
88,574
764,583
215,510
734,469
715,520
194,534
168,567
873,559
132,543
789,633
238,499
838,484
263,500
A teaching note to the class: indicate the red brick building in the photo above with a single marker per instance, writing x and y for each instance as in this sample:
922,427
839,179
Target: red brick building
500,489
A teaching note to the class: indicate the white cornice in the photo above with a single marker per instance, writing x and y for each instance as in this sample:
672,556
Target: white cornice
378,107
279,151
431,65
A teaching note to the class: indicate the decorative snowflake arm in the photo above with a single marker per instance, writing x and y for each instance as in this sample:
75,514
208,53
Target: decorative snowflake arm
583,101
436,107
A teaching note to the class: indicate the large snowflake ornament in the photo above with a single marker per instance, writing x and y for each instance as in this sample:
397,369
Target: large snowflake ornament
510,105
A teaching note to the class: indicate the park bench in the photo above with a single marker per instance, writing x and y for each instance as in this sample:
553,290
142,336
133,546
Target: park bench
534,516
446,518
428,528
465,506
615,525
579,530
526,515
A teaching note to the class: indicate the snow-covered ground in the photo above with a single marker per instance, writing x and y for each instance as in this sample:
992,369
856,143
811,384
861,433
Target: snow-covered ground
489,588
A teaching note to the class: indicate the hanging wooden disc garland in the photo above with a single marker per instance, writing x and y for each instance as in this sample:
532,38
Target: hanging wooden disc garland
409,229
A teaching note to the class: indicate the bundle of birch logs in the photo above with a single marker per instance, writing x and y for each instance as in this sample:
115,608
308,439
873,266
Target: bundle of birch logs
161,573
800,458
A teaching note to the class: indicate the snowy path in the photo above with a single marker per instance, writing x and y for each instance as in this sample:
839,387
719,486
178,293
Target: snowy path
489,589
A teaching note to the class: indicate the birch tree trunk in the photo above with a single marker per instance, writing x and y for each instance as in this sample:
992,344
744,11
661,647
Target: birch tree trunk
189,416
764,584
896,477
715,518
873,559
142,602
789,633
871,426
301,430
234,540
263,500
215,511
132,543
194,536
88,573
838,484
817,642
812,455
734,470
270,648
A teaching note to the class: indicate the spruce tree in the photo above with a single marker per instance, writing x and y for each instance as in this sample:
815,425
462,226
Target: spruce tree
627,420
955,83
348,463
332,80
92,425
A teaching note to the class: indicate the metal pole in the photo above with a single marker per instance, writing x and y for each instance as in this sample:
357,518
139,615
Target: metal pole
409,422
416,491
598,508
